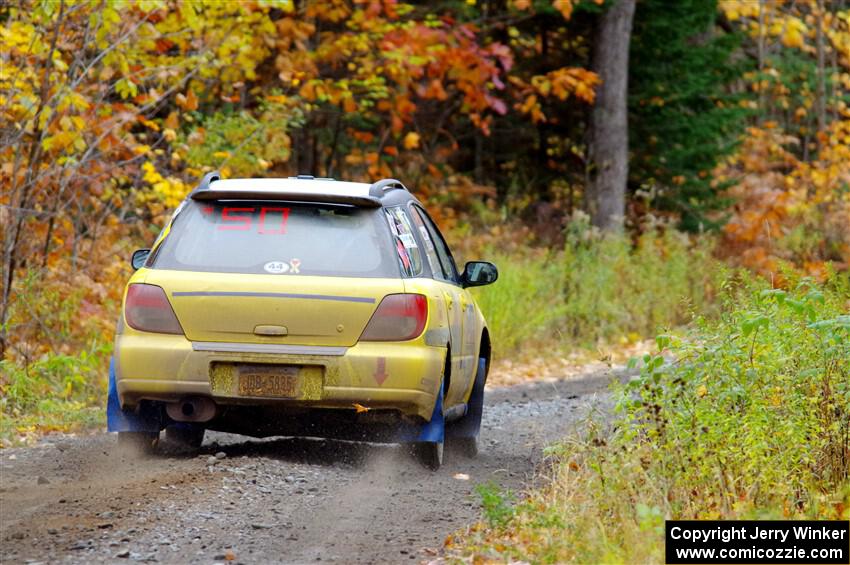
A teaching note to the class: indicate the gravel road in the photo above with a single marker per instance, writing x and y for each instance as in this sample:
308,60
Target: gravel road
283,500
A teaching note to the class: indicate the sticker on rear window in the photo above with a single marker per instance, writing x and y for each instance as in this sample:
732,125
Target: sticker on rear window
408,251
407,240
276,267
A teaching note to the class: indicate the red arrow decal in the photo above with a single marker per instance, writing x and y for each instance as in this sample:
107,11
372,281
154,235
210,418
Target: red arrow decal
381,372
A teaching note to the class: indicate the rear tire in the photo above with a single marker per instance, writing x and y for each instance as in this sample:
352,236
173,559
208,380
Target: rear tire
429,454
137,443
190,437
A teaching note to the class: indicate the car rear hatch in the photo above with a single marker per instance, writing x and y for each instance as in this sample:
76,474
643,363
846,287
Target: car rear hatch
275,272
273,309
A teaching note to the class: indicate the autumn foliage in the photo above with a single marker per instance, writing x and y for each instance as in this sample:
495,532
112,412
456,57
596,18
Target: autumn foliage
790,178
789,212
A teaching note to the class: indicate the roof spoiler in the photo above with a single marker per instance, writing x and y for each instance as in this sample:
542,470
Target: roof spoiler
206,191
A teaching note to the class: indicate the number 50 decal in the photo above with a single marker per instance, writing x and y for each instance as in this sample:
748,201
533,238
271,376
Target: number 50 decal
236,219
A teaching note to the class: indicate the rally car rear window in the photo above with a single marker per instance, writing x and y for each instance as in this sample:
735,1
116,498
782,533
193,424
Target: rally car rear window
278,238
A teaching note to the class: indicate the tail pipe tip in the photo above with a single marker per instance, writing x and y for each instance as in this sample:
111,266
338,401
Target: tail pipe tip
191,409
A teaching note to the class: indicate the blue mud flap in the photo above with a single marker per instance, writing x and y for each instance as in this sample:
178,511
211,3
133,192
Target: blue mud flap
470,424
118,420
432,431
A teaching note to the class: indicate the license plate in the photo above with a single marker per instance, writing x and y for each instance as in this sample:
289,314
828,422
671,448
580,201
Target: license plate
277,381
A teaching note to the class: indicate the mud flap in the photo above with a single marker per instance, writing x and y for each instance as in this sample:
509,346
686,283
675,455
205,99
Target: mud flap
470,424
432,431
145,419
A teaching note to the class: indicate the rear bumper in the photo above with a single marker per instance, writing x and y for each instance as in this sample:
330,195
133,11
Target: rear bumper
404,377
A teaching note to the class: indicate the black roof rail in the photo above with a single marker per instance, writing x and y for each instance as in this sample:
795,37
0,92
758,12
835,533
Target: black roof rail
379,188
208,179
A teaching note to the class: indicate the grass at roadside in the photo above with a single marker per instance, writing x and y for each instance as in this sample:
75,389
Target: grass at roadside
55,393
750,420
598,291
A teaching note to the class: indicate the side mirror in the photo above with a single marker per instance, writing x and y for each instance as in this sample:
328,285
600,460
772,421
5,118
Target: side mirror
479,273
139,258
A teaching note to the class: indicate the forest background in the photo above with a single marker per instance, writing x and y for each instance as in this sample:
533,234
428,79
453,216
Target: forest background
636,168
617,159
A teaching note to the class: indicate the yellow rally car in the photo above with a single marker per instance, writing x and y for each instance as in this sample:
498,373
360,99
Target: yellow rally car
301,307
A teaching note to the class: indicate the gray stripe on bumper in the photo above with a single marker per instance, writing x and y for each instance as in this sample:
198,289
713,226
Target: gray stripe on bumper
225,347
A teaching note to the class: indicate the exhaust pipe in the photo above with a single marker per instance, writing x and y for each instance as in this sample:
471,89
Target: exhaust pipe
191,409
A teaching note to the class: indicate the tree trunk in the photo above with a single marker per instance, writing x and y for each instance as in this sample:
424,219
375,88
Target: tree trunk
609,136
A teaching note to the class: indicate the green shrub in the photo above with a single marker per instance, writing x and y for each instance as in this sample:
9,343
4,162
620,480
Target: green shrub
756,407
495,504
747,417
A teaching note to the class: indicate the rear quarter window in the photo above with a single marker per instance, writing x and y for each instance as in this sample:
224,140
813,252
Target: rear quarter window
401,230
279,238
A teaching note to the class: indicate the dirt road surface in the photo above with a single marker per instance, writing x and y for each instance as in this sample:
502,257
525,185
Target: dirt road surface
282,500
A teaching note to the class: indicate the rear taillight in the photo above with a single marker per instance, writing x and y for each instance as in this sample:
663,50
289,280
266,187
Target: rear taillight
147,309
399,317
